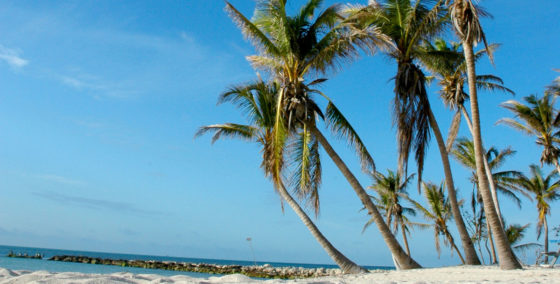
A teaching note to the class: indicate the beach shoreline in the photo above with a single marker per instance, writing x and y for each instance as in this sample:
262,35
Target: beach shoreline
456,274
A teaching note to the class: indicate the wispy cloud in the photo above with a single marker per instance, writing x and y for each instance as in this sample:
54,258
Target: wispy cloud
59,179
12,57
96,204
98,87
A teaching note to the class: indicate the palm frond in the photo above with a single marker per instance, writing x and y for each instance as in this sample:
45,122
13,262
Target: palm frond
229,130
251,32
340,126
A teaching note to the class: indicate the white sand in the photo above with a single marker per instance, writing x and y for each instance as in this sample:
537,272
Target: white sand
463,274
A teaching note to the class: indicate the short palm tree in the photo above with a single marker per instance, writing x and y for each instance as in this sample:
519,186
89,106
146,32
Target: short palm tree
258,102
545,189
294,50
439,214
463,152
408,24
465,16
536,118
391,191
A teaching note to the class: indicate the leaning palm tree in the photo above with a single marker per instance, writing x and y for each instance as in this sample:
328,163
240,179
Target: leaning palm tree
448,65
545,190
258,103
296,49
466,22
391,190
439,213
536,118
408,24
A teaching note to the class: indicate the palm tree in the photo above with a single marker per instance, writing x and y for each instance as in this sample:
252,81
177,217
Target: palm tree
545,190
466,22
463,151
293,48
447,64
391,189
439,213
258,103
536,118
408,24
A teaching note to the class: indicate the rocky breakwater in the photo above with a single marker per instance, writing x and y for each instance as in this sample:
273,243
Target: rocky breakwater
260,271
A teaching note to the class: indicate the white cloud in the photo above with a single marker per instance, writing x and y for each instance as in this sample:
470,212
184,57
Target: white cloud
59,179
12,57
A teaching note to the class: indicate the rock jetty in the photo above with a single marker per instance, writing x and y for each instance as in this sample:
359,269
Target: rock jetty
259,271
24,255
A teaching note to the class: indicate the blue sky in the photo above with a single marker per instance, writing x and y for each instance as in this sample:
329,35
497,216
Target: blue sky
99,102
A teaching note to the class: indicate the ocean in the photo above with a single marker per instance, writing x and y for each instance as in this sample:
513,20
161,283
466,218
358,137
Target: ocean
58,266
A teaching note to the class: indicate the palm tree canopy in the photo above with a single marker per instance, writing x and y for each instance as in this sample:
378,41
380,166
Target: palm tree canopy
463,152
447,63
299,159
545,189
293,48
391,190
407,24
465,16
536,118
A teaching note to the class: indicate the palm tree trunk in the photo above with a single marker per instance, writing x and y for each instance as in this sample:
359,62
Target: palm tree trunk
491,239
468,247
345,264
505,254
488,172
545,225
403,260
405,240
458,252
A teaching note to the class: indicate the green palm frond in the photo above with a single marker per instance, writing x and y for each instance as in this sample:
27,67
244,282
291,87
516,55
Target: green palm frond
229,130
252,32
342,128
306,178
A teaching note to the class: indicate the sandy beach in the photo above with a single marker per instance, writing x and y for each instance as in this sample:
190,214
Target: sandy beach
462,274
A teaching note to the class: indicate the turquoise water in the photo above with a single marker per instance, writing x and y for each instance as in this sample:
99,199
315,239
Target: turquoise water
58,266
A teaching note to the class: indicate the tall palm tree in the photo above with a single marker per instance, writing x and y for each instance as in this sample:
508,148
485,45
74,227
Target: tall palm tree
448,65
439,213
466,22
291,49
258,102
545,190
408,24
536,118
391,190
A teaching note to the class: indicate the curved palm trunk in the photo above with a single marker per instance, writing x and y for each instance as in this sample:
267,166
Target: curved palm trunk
452,242
488,173
405,240
491,239
458,253
403,260
345,264
505,254
468,246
